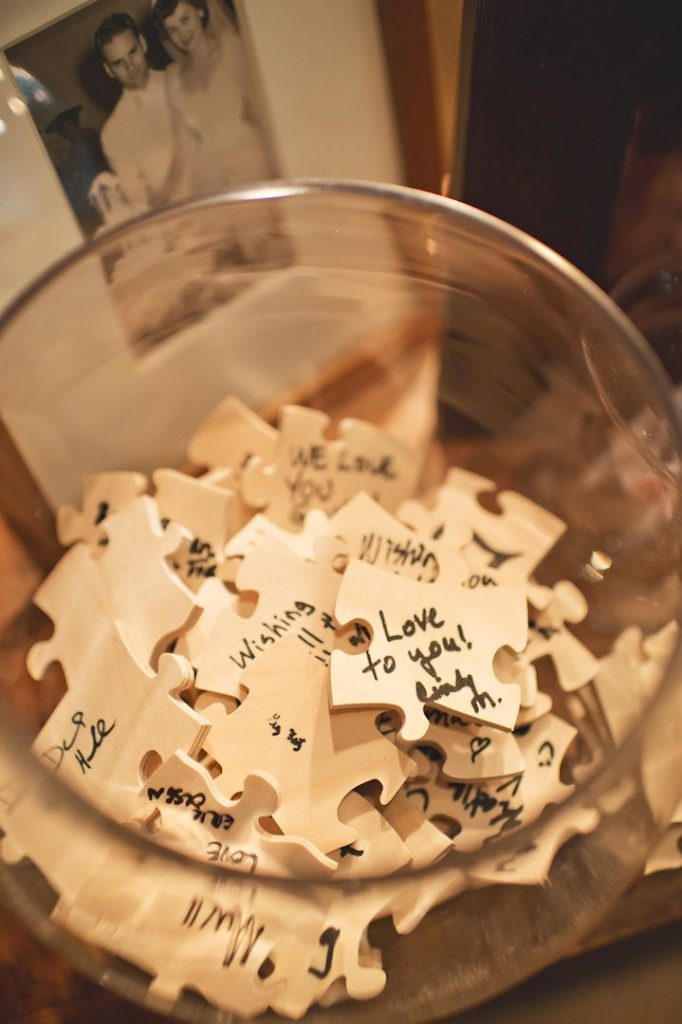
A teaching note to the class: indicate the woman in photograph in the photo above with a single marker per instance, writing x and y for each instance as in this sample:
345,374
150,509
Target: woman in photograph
207,85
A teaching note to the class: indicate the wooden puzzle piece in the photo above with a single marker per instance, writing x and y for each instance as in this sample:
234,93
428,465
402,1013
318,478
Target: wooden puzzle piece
432,644
629,676
98,737
243,947
513,667
529,859
512,543
308,471
373,535
185,808
481,811
296,598
339,933
211,598
541,707
259,528
143,593
284,728
413,902
185,930
103,494
74,597
205,512
426,844
574,664
472,751
620,683
231,435
424,757
378,850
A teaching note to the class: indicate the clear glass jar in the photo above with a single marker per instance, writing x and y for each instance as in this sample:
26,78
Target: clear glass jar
469,340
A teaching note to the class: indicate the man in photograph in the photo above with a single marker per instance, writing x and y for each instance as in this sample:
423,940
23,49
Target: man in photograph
140,138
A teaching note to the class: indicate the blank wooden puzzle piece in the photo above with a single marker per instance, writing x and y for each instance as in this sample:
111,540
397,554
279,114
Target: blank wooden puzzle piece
472,751
74,597
142,591
431,644
628,677
259,528
103,494
574,664
373,535
205,512
512,543
295,598
308,471
378,850
530,858
230,435
98,736
185,808
481,811
426,843
284,728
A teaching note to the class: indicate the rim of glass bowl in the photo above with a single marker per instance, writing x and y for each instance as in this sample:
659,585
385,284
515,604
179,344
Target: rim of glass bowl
488,229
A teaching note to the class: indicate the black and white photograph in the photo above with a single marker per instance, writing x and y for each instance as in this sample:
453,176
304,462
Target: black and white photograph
140,105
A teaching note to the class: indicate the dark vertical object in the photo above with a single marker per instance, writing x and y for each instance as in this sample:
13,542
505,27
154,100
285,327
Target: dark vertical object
552,94
407,45
23,506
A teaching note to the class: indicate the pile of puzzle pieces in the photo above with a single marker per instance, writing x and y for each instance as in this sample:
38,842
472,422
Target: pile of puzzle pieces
287,666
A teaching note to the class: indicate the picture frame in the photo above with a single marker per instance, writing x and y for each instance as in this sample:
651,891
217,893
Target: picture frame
303,117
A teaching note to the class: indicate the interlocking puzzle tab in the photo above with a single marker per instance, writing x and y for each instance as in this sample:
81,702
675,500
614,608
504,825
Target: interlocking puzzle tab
432,644
308,471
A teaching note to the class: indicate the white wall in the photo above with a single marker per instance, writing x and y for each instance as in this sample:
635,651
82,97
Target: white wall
325,86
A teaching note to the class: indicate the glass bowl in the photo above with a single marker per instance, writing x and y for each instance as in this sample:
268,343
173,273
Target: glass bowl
474,346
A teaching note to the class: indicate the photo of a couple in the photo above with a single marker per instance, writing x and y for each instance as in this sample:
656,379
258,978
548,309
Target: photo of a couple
147,104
